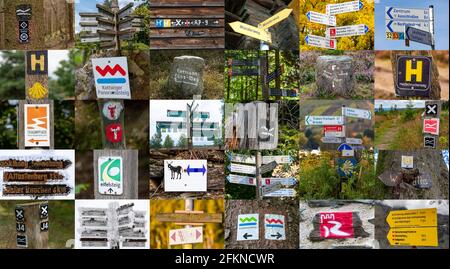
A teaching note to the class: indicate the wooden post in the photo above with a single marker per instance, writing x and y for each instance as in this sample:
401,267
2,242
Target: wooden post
36,92
188,206
32,225
435,89
129,178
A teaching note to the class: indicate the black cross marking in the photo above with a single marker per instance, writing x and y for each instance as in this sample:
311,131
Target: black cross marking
431,109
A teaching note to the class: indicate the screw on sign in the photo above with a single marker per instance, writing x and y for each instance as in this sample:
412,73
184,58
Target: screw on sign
37,125
336,225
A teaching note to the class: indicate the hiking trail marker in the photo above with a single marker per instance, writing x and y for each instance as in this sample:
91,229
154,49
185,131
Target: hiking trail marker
321,18
431,126
248,227
274,227
111,77
416,227
413,75
336,225
32,225
186,236
110,175
349,30
324,120
352,6
431,120
37,125
185,175
321,42
407,162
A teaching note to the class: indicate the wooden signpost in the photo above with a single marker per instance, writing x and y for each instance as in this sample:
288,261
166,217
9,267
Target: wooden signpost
188,217
32,225
187,24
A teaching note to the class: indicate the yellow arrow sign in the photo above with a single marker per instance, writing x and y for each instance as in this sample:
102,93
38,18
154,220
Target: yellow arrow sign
426,217
252,31
275,18
418,236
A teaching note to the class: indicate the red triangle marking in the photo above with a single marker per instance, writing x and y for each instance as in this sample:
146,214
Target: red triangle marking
174,236
197,234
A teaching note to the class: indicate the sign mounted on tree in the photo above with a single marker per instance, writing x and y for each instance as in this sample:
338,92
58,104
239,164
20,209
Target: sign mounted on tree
429,142
413,75
110,175
111,77
248,227
274,227
23,15
37,125
336,225
185,175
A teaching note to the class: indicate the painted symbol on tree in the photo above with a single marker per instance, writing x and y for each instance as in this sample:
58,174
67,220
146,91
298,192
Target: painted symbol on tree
44,226
336,225
43,211
174,170
112,110
20,214
114,132
37,91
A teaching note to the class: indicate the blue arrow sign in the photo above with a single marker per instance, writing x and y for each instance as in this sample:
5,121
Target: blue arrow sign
389,26
306,39
389,12
361,5
196,170
366,29
344,146
308,15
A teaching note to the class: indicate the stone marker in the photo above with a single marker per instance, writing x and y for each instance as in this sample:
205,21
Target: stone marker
186,77
334,76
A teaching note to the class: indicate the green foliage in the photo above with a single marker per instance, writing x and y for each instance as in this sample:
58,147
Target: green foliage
8,125
319,183
64,114
182,142
64,85
81,187
409,113
12,75
155,141
168,142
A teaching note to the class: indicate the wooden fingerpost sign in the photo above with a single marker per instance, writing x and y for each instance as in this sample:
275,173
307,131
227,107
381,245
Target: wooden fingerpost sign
115,174
32,225
192,221
35,114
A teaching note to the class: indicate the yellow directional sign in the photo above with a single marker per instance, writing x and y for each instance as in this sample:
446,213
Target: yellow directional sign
417,236
275,18
252,31
426,217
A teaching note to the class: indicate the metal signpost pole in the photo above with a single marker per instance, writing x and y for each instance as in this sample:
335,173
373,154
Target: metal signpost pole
431,9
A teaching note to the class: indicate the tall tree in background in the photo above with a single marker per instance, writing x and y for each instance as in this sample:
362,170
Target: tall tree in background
12,77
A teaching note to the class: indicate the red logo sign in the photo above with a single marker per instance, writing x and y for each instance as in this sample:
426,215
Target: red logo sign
114,132
336,224
332,128
431,126
333,32
332,44
117,68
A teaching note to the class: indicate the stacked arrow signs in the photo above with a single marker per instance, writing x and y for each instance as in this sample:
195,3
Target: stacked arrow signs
334,31
417,227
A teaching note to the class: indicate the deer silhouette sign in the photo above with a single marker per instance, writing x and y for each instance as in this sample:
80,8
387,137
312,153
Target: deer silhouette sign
174,170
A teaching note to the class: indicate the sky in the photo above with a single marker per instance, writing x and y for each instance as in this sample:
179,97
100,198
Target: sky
89,6
400,103
158,111
441,24
55,57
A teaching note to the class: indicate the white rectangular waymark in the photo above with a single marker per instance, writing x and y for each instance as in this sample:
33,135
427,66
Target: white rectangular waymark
186,236
248,227
274,227
110,175
37,125
185,175
111,77
321,18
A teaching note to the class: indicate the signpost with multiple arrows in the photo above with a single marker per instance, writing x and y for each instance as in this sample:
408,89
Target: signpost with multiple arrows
333,31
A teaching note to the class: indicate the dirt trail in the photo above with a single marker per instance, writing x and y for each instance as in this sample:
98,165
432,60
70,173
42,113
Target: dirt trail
385,142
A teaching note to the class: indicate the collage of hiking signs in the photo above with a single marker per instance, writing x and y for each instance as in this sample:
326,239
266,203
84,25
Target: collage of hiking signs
224,124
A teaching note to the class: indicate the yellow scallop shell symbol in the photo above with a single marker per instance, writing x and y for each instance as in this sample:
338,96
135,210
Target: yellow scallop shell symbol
37,91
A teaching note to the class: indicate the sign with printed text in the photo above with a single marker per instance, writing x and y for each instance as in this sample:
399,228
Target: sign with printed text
321,42
244,180
334,131
431,126
37,62
278,17
407,161
413,75
111,77
336,225
351,6
418,35
357,113
288,181
248,227
185,175
424,217
252,31
285,192
321,18
110,175
324,120
37,125
241,168
396,13
348,30
186,236
274,227
353,141
400,26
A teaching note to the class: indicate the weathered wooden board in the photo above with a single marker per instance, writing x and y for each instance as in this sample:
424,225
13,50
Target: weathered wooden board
187,24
